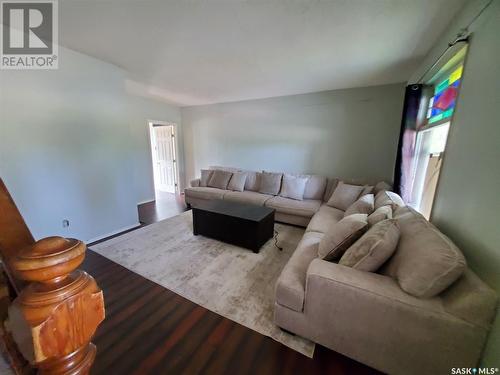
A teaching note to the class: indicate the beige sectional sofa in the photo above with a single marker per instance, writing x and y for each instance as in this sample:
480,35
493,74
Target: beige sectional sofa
317,191
399,319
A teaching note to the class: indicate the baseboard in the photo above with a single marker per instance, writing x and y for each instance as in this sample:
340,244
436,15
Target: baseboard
128,227
146,201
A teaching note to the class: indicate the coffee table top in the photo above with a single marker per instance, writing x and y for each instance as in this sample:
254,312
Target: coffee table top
240,210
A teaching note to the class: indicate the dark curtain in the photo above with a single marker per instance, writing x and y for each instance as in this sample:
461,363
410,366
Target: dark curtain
407,138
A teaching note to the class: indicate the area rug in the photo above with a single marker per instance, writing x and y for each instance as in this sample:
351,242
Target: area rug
228,280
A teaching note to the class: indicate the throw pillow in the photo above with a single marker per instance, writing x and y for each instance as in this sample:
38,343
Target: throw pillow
237,181
205,177
381,213
293,187
363,205
367,189
373,248
344,195
220,179
341,236
382,185
270,183
388,198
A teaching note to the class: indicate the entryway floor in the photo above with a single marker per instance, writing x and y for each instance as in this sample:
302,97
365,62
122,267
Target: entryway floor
166,205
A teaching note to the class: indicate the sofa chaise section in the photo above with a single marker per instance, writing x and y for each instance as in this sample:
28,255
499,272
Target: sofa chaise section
367,316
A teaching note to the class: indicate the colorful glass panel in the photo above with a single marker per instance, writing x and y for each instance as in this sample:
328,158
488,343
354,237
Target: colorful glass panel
442,104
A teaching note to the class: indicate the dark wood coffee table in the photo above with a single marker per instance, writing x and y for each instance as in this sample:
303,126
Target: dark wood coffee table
239,224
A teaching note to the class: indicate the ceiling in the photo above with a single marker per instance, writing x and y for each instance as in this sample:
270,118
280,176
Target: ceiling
201,52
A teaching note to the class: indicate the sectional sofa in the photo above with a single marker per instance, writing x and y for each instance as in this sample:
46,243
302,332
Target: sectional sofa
297,212
423,311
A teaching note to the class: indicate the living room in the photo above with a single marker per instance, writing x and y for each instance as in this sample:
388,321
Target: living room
203,154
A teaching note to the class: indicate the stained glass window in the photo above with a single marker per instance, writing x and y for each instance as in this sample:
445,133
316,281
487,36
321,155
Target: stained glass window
442,104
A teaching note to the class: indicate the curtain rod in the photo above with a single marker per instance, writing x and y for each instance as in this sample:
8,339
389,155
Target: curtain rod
461,37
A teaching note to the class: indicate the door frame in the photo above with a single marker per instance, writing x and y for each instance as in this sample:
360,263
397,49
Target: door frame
151,124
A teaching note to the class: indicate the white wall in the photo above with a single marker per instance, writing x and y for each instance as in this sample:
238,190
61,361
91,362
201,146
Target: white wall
467,203
73,146
344,133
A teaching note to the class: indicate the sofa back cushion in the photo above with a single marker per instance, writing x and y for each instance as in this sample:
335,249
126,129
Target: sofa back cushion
315,187
237,181
293,187
270,183
372,250
363,205
388,198
344,195
426,262
205,177
220,179
341,236
252,182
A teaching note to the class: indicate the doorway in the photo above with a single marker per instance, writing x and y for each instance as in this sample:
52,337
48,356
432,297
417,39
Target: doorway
164,157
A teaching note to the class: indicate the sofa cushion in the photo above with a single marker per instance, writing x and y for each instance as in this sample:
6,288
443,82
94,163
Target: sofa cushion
290,287
204,192
293,187
252,182
426,262
325,219
363,205
380,186
341,236
367,189
270,183
250,197
237,181
344,195
330,188
219,179
315,187
388,198
306,208
381,213
205,177
373,248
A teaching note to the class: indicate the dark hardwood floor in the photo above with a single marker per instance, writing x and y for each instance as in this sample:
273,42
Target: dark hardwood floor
166,205
151,330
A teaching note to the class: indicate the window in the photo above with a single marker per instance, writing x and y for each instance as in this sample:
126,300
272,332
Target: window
442,104
440,99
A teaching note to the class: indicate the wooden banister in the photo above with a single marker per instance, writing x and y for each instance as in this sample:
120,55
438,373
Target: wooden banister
58,307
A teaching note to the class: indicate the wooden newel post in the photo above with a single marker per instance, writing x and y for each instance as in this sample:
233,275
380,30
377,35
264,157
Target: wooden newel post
54,318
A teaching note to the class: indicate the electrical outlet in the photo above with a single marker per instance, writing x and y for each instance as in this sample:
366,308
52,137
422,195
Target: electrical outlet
65,223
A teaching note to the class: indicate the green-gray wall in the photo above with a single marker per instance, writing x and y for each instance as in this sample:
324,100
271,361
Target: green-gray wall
350,133
467,205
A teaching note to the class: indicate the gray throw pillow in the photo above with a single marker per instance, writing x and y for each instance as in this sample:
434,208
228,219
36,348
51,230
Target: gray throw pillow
293,187
344,195
373,248
341,236
270,183
237,182
220,179
363,205
205,177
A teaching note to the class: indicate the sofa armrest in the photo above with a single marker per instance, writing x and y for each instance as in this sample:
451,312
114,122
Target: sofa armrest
195,182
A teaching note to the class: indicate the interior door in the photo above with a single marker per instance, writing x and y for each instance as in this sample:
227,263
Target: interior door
164,158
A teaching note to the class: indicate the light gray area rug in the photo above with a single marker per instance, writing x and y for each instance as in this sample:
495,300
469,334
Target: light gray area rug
226,279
